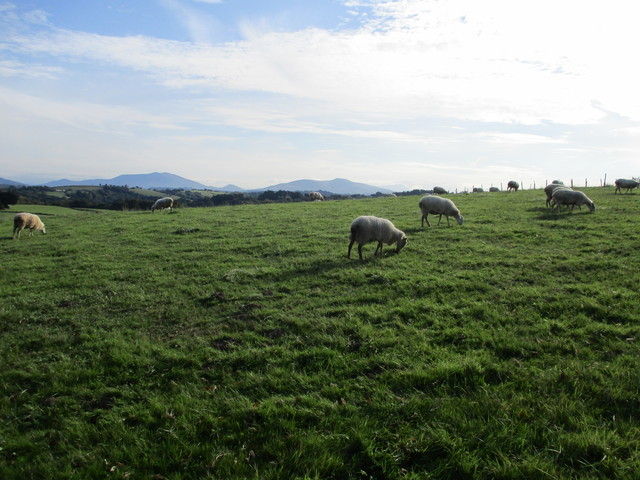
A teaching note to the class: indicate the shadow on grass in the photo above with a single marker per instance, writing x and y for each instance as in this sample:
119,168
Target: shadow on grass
322,267
547,214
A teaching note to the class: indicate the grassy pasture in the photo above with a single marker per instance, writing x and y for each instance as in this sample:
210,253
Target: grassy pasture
239,342
43,210
149,193
208,193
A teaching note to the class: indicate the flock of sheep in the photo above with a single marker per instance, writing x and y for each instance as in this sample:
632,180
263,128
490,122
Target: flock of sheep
33,222
368,229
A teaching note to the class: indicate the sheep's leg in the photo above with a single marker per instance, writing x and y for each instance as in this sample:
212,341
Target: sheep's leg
439,218
349,251
360,251
425,217
448,220
379,247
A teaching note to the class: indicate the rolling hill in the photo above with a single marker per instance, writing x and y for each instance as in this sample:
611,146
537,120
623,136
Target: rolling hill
339,186
165,180
145,180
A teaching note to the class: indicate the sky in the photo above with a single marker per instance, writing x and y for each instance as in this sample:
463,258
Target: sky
411,93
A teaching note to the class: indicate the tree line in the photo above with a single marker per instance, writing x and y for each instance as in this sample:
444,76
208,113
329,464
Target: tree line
113,197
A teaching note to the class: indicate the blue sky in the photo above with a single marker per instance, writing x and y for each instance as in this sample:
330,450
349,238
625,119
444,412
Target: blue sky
388,92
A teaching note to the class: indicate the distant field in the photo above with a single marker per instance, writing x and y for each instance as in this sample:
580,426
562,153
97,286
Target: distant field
150,193
239,342
208,193
39,210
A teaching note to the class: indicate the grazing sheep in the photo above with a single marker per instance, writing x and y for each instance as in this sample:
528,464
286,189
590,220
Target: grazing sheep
26,220
478,189
566,196
162,203
513,186
368,229
316,196
558,182
549,189
439,191
494,189
438,206
626,184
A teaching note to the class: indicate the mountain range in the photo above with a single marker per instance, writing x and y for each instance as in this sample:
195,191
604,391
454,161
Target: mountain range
156,180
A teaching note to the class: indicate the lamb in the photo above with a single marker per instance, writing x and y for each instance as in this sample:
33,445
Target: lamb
366,229
513,185
549,189
316,196
438,206
162,203
27,220
566,196
626,184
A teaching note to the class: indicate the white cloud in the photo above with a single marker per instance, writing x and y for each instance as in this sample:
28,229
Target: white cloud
82,115
201,26
12,68
495,62
516,138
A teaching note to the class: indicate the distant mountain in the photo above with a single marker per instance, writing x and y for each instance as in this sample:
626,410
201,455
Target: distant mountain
9,183
228,188
145,180
339,186
397,188
156,180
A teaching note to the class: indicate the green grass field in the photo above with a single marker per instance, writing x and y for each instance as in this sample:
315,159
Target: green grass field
239,342
43,210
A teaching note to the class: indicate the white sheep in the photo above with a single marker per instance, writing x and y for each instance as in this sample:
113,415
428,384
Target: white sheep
513,185
366,229
27,220
316,196
439,191
626,184
162,203
549,189
438,206
566,196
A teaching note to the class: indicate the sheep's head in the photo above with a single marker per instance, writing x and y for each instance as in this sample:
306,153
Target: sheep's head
43,230
401,243
459,218
592,206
